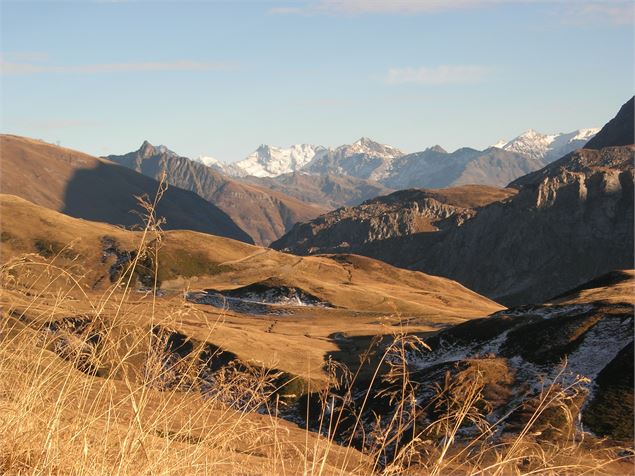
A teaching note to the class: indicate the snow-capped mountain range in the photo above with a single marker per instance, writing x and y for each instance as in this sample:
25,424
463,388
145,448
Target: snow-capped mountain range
547,147
367,159
272,161
387,166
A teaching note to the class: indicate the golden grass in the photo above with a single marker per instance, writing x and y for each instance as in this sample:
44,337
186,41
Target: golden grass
103,393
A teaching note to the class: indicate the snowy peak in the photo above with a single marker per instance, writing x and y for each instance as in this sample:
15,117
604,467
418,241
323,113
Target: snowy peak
367,146
230,170
547,147
271,161
209,161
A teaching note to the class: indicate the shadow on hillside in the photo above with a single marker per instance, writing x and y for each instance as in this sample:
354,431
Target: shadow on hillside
107,193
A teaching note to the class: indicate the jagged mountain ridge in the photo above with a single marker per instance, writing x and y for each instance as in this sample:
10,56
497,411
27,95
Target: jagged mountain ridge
432,168
569,222
263,214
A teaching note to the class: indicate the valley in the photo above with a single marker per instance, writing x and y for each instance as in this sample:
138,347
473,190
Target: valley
386,330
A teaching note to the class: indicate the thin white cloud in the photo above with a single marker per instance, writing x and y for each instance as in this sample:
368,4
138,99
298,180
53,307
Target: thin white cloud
445,74
612,12
7,67
578,11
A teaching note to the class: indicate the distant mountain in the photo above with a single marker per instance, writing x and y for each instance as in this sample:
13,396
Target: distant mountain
83,186
228,169
436,168
265,215
547,147
364,159
270,161
569,222
368,160
331,191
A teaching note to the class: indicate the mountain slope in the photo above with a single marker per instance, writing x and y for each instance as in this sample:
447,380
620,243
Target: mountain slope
402,213
618,131
264,215
95,189
329,190
569,222
436,168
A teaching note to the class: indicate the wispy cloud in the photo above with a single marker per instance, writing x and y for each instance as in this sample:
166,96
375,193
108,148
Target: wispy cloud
582,11
445,74
609,11
353,7
8,67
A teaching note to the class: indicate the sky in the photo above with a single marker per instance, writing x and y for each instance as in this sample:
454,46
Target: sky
220,78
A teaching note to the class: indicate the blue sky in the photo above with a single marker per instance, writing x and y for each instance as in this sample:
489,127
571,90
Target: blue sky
221,78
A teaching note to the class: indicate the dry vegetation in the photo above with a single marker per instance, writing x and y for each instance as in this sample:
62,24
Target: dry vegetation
94,383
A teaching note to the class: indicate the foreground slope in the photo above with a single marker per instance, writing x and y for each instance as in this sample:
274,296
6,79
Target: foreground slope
329,294
86,187
548,370
265,215
200,376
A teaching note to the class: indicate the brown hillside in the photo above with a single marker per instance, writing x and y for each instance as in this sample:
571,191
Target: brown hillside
86,187
365,296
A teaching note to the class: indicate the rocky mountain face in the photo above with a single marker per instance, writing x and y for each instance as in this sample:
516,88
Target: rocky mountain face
329,190
86,187
263,214
400,214
547,147
569,222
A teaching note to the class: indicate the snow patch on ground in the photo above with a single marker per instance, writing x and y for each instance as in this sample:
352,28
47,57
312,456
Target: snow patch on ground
256,299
